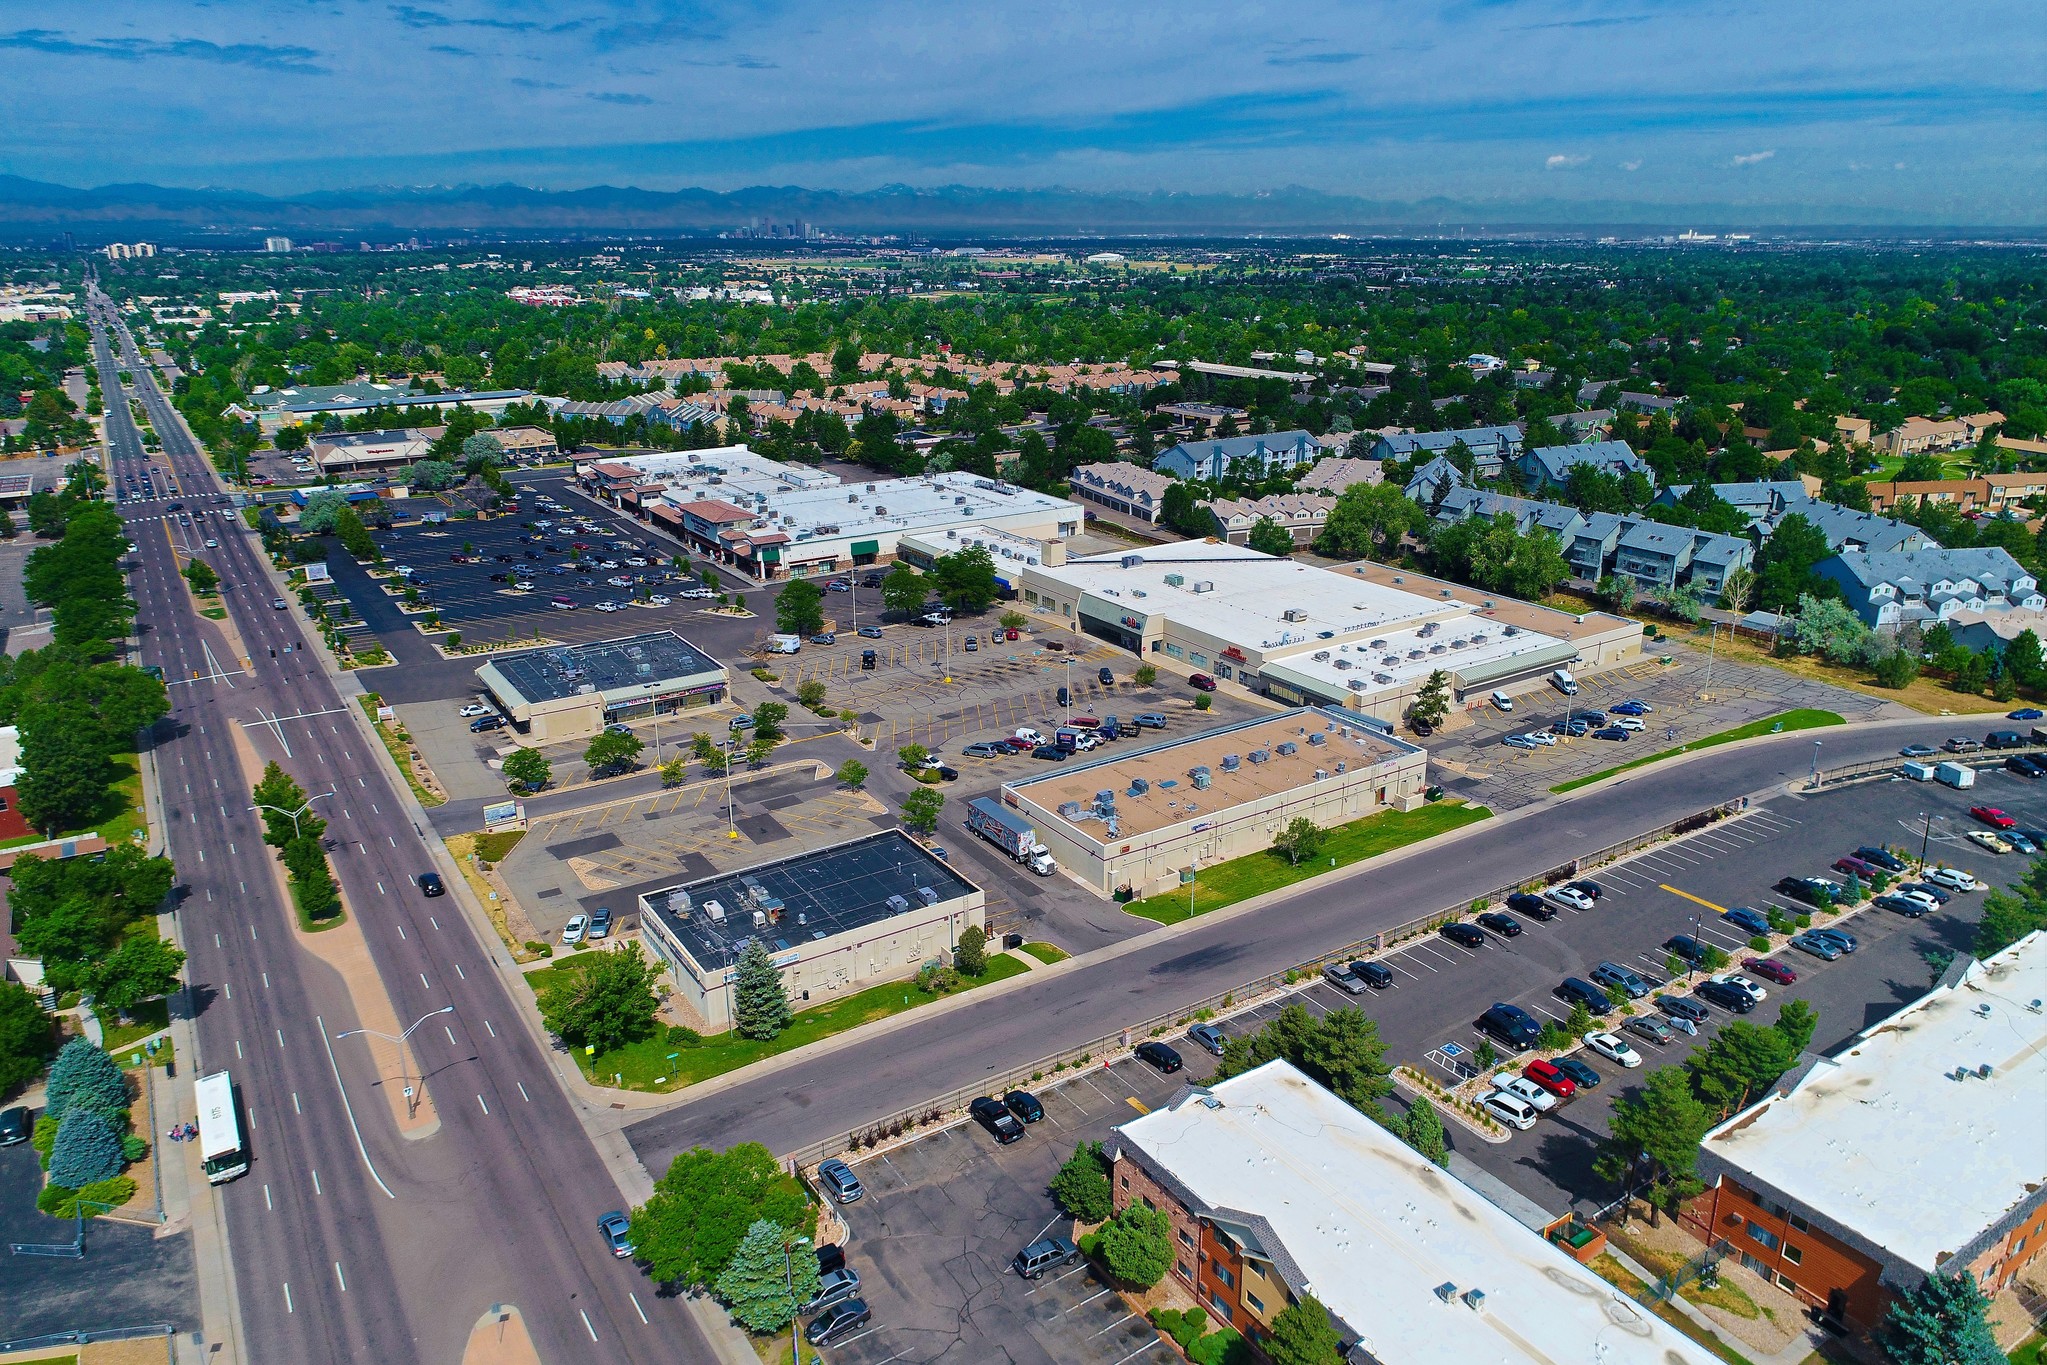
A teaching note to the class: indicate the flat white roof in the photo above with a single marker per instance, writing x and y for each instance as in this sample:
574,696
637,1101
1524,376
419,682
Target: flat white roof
1882,1140
1011,551
1463,643
728,472
864,511
1375,1229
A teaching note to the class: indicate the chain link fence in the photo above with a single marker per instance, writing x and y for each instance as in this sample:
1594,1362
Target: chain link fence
1107,1048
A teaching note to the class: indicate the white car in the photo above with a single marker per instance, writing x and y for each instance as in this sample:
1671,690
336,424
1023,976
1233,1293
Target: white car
1028,735
637,561
1525,1090
1920,896
1744,985
475,708
657,600
1954,878
1511,1110
213,545
1502,703
1542,737
608,606
573,931
1614,1048
607,563
696,595
1568,896
1627,723
619,581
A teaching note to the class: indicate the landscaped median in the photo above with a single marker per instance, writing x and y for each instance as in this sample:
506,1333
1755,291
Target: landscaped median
1240,879
1784,723
672,1058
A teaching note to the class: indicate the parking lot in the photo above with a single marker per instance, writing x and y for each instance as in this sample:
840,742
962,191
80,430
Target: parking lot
942,1217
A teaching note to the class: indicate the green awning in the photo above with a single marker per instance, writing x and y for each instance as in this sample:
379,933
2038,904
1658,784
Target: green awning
771,554
866,547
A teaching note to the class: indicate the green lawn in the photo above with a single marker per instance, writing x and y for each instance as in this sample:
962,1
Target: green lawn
1789,720
2030,1351
1046,953
1252,875
151,1016
647,1065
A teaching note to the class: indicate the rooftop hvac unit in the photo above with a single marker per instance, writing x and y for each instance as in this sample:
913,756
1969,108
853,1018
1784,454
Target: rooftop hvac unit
1375,644
897,904
1416,653
1138,787
1231,763
1202,780
960,501
1382,678
1435,649
1321,656
1132,561
871,487
1204,586
1458,643
1260,756
1512,630
1293,614
1345,663
880,511
760,919
1318,738
1069,810
1288,747
952,535
1175,580
1321,773
1342,767
678,903
852,497
1356,684
1032,559
1111,828
715,911
1426,631
1105,798
1446,592
928,894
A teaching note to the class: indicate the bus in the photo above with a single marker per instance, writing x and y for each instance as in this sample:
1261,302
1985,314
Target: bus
221,1149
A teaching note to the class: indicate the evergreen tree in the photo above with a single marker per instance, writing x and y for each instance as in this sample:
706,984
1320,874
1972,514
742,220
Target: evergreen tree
1432,702
1945,1321
87,1149
1423,1129
1796,1020
756,1283
760,1007
1081,1186
1303,1335
1656,1134
85,1077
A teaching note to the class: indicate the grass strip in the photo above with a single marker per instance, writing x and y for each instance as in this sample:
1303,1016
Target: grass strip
400,751
1804,719
1046,953
1254,874
658,1065
1618,1275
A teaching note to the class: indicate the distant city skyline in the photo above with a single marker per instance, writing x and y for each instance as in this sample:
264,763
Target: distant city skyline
1932,114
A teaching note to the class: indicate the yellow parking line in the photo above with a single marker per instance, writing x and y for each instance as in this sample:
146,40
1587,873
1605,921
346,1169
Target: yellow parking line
1696,900
1138,1107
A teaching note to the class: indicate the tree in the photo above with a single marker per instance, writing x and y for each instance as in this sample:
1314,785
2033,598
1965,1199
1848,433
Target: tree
811,693
703,1205
1617,591
759,750
355,537
201,576
1738,588
966,579
140,969
1432,701
1144,675
290,438
1346,1055
799,608
276,796
482,449
1945,1321
768,718
1302,1334
1368,520
610,1003
432,475
970,954
852,773
763,1284
914,755
1136,1246
610,751
1739,1064
88,1149
528,769
1299,838
1422,1127
1268,537
760,1004
1081,1186
920,810
84,1077
321,515
8,530
1784,564
903,591
64,775
1796,1020
1655,1137
27,1037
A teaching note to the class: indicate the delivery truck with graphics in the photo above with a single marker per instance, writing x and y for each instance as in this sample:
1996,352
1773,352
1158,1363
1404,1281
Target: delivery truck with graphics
1011,833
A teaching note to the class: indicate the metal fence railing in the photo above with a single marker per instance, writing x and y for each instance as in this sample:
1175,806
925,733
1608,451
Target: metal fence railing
158,1329
1881,767
943,1106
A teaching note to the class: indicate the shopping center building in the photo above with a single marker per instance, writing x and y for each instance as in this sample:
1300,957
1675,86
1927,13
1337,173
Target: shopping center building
561,692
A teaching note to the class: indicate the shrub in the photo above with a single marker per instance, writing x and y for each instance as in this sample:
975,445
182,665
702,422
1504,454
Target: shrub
54,1197
454,639
1203,702
678,1036
45,1137
1145,675
134,1147
937,980
1081,1186
1760,943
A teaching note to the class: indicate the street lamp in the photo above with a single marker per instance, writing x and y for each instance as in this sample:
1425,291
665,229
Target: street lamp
1814,779
1925,837
404,1076
293,815
789,1278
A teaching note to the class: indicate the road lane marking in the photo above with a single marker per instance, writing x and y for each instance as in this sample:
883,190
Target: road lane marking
459,972
341,1277
401,928
238,1049
287,1299
493,1032
1696,900
228,988
295,1106
424,982
266,981
586,1323
450,1032
479,1100
280,1037
266,1199
637,1309
316,1182
522,1091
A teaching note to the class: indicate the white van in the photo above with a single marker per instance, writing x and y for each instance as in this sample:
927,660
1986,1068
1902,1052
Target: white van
1563,682
1511,1110
1502,703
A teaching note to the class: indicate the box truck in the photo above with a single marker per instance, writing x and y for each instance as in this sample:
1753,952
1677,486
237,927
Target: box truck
1011,833
785,644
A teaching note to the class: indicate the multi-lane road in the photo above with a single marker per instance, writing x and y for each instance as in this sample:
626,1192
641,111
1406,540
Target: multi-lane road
348,1240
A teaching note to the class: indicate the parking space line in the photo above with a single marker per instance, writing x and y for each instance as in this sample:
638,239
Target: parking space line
1118,1323
1696,900
1088,1300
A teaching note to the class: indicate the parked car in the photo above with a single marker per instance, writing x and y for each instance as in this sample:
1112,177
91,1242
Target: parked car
1748,920
1841,938
1993,817
1576,990
839,1181
983,749
1535,907
1506,926
870,632
1632,707
1519,742
1000,1123
1853,866
1340,976
837,1323
1148,720
1569,897
1918,751
1612,732
483,723
1990,840
1160,1056
1629,723
1377,975
1051,753
1679,1007
1521,1088
617,1231
1510,1025
1615,1048
573,931
1546,1075
1613,974
1689,950
15,1125
1882,857
1961,744
1045,1254
1585,886
1754,990
1511,1110
1201,682
2024,767
1954,879
1928,891
1770,969
1823,948
1024,1105
1812,890
1726,996
600,923
1207,1037
1583,1076
1648,1026
1464,935
1909,906
2003,739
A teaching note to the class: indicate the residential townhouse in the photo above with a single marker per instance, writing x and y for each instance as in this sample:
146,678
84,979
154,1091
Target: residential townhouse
1529,514
1426,479
1923,586
1659,556
1920,435
1991,493
1551,466
1336,473
1851,531
1762,501
1212,459
1129,490
1492,448
1302,514
1853,430
1588,425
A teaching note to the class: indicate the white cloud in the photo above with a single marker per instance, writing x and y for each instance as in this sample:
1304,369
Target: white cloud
1752,158
1560,162
1634,165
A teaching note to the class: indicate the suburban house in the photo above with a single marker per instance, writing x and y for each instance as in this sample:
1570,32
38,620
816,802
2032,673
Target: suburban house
1128,490
1302,514
1584,426
1550,466
1492,448
1211,459
1890,590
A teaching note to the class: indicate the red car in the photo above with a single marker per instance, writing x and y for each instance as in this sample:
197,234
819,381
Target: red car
1546,1075
1770,970
1993,817
1201,682
1016,746
1085,723
1009,634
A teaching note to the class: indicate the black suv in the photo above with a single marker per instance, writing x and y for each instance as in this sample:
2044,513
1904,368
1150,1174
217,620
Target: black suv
1728,997
1533,906
1510,1025
1688,949
996,1118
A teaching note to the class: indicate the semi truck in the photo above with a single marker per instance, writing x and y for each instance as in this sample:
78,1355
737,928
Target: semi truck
1011,833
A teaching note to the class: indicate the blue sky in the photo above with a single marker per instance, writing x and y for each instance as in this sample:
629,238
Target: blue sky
1939,110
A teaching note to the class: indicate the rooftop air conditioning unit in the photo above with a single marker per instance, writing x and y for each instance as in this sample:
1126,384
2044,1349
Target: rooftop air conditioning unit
928,894
715,911
1202,779
1231,762
898,904
1132,561
1174,580
852,497
1321,773
870,488
1293,614
1321,656
1204,586
880,511
1288,747
760,919
1357,684
1259,756
1318,738
1138,787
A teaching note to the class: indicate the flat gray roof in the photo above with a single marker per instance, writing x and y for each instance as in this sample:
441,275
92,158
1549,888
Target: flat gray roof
555,672
810,896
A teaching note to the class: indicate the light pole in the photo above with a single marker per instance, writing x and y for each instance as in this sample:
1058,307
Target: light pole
293,815
1814,780
731,756
404,1076
789,1278
1925,837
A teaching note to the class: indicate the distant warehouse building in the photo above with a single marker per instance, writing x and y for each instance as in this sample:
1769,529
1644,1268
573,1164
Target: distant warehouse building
835,920
1138,818
352,452
569,692
1364,639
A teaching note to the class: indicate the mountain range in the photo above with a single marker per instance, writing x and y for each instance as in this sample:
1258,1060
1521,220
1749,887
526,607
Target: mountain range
27,206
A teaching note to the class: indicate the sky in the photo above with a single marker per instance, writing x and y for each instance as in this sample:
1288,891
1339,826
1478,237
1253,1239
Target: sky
1937,110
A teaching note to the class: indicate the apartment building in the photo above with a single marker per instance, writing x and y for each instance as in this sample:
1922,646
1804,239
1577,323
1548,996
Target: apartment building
1303,515
1213,459
1923,586
1129,490
1492,448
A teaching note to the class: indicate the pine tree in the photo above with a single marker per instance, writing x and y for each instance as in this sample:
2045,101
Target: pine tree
84,1076
756,1284
87,1150
760,1006
1423,1129
1942,1322
1081,1186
